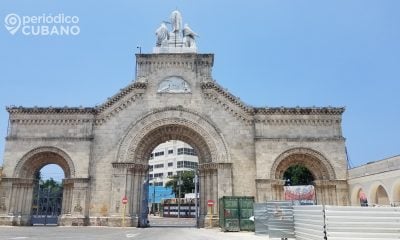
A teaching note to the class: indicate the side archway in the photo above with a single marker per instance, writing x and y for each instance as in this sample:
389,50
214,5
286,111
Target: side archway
314,161
22,186
328,189
37,158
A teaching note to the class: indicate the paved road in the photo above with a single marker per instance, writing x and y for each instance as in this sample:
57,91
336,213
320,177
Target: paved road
107,233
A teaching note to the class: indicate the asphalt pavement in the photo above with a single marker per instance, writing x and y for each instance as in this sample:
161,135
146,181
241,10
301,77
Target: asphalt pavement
97,233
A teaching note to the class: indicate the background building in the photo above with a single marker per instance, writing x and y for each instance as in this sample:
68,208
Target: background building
169,159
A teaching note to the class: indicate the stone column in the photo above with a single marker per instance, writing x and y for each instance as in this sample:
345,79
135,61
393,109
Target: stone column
277,188
79,198
328,194
203,203
16,201
212,180
127,181
67,198
342,191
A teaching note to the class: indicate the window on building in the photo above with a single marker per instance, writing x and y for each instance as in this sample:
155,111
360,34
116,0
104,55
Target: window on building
156,175
151,156
187,151
150,176
170,164
187,164
151,168
157,154
170,151
170,174
159,165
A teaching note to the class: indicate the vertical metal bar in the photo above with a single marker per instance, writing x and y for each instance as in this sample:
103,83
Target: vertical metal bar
195,198
179,196
47,205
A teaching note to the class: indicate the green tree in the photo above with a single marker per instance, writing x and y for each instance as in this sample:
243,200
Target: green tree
50,183
298,175
187,184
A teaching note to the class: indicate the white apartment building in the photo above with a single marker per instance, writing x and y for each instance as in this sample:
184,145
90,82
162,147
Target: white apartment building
170,158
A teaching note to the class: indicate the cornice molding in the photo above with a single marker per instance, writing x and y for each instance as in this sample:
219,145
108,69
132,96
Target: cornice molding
51,110
301,139
40,121
300,122
299,111
48,139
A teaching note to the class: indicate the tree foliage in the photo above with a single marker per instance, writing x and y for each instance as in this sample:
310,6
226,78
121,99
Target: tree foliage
187,183
298,175
48,183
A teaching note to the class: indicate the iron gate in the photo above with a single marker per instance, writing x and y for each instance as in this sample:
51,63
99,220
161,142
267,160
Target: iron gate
46,205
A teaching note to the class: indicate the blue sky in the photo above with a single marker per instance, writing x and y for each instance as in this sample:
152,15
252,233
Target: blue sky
268,53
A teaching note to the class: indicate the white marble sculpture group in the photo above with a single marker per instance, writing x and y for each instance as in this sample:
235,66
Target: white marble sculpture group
177,40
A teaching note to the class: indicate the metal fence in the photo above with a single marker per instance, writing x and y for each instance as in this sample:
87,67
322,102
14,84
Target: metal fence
309,222
261,218
356,223
280,219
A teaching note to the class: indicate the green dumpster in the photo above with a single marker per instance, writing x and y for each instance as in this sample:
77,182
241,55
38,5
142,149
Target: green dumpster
234,213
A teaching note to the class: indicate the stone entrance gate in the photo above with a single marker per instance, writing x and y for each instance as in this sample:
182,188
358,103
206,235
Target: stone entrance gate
104,150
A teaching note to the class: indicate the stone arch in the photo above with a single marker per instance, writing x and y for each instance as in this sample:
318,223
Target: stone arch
378,194
315,162
396,193
173,123
37,158
355,195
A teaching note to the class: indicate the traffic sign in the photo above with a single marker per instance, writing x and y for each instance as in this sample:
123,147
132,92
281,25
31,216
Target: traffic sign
124,200
210,203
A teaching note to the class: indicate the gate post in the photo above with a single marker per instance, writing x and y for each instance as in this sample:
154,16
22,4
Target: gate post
77,201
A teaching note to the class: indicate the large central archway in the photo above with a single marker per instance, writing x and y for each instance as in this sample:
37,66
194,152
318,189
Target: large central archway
173,124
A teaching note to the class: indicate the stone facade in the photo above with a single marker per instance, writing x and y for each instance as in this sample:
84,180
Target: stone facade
104,150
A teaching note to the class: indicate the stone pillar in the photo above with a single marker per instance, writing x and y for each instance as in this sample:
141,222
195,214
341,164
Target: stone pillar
215,182
67,198
277,189
78,197
203,203
342,191
16,201
331,192
127,181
